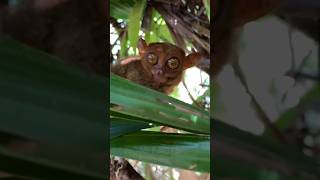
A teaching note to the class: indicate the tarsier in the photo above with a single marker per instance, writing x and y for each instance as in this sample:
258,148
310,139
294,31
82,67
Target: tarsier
159,66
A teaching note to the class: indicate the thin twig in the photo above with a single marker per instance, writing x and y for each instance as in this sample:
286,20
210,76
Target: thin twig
293,59
204,85
190,95
296,76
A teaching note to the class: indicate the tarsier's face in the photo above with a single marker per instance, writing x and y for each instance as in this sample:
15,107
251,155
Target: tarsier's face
165,61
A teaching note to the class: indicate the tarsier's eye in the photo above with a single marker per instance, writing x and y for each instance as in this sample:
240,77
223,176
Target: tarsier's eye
152,58
173,63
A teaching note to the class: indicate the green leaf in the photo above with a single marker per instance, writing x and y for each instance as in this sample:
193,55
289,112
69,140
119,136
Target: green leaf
150,36
176,150
156,107
165,33
59,105
123,45
49,99
122,126
135,17
207,6
158,30
120,9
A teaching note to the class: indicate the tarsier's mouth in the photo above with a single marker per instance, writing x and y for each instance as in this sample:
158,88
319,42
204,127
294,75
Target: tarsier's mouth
160,79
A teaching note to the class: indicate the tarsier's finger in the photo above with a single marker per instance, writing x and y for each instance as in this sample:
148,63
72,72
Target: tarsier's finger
130,59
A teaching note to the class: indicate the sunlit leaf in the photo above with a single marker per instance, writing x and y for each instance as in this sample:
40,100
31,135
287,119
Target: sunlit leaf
135,17
139,101
120,8
207,6
123,45
150,33
165,33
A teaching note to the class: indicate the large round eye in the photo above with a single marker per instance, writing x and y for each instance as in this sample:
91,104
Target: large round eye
152,58
173,63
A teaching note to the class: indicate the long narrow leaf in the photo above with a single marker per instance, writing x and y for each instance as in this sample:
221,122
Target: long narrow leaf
176,150
44,99
207,6
134,22
137,100
121,126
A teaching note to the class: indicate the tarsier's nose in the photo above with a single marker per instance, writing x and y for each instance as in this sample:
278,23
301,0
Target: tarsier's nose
159,72
158,75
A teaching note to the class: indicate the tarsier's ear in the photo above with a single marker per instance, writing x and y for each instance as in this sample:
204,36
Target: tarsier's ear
192,60
142,46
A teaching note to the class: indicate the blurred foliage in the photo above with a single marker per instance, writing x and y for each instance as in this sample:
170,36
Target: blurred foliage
283,78
52,125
